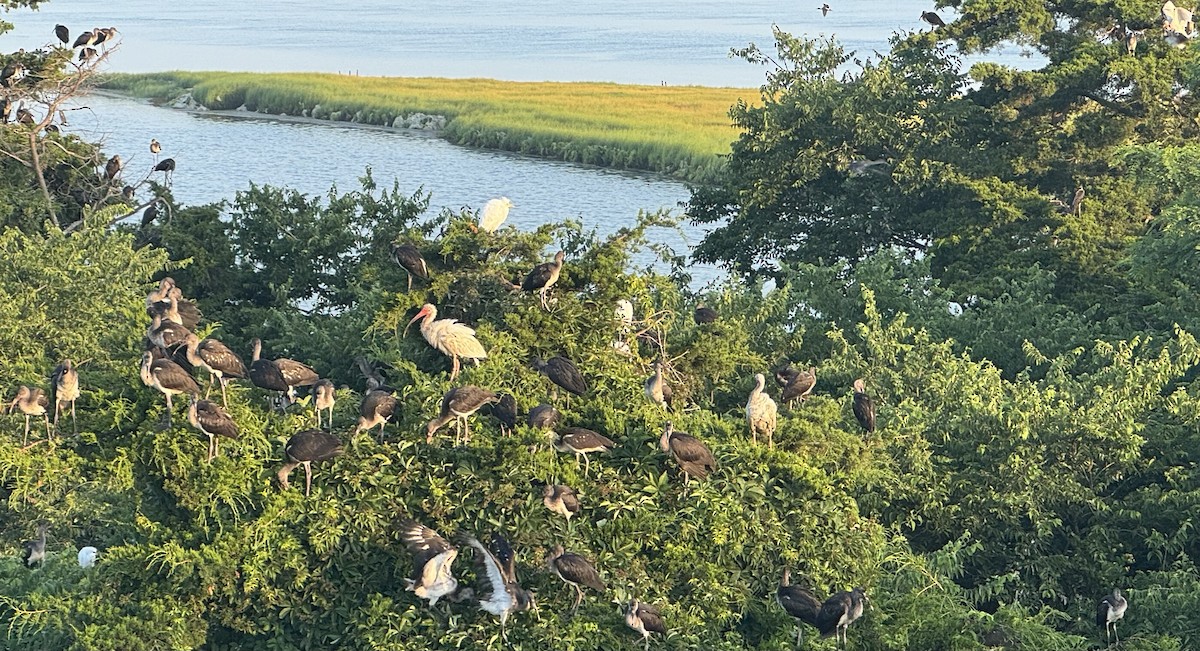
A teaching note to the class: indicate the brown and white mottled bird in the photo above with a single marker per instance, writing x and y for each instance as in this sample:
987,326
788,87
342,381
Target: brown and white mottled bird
409,257
563,373
1077,201
449,337
218,359
460,403
167,335
543,277
797,384
580,441
34,551
561,499
64,390
211,419
645,619
704,315
933,19
294,374
576,571
799,602
169,378
62,33
1110,609
864,407
113,167
303,449
88,53
692,455
324,399
543,416
761,412
497,588
265,374
656,388
839,612
433,558
155,148
31,402
377,408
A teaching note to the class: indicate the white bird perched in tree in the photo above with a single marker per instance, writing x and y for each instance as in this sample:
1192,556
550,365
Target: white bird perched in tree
494,214
761,411
449,337
87,556
1177,19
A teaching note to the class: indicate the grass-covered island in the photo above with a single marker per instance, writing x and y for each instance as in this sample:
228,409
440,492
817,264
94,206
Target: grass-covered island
675,130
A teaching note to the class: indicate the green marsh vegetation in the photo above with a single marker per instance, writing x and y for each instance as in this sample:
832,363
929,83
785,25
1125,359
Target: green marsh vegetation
675,130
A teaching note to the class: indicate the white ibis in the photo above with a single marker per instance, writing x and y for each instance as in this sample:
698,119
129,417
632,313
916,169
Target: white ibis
498,591
87,557
31,401
409,257
303,449
543,416
265,373
62,33
218,359
864,407
935,21
799,602
432,560
1109,610
761,412
460,403
839,612
35,550
494,214
112,168
580,441
645,619
543,277
656,388
563,373
211,419
505,411
168,377
449,337
377,408
797,384
624,313
704,315
64,390
692,455
561,499
576,571
324,399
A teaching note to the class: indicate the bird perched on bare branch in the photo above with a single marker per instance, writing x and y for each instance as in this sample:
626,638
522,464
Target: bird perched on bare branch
112,168
62,33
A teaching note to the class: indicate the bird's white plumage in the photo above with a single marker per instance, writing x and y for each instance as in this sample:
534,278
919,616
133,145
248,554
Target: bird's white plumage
87,556
494,214
437,581
450,337
761,412
500,601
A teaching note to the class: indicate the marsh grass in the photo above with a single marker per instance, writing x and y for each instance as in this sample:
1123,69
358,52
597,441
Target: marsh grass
675,130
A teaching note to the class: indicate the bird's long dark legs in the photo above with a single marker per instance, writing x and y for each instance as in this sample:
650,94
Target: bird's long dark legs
74,423
307,478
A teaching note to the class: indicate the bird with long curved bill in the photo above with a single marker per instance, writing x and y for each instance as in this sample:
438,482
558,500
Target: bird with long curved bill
645,619
449,337
305,448
799,602
576,571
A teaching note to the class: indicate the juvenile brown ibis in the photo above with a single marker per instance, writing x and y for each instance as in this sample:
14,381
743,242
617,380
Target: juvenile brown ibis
561,499
159,294
656,388
433,557
761,412
494,213
839,612
797,384
31,402
543,416
1110,609
645,619
88,53
294,374
324,399
35,550
864,407
580,441
505,411
576,571
169,378
64,390
149,215
460,403
218,359
168,302
264,373
1077,201
497,589
167,167
112,168
104,34
303,449
933,19
692,455
377,408
211,419
449,337
62,33
704,315
543,277
799,602
563,373
155,148
409,257
167,335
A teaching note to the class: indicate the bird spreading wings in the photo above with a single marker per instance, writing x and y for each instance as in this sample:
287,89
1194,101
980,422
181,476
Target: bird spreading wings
432,559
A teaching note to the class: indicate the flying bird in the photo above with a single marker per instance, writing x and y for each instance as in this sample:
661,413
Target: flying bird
825,8
645,619
864,407
543,277
433,557
449,337
1111,609
303,449
494,214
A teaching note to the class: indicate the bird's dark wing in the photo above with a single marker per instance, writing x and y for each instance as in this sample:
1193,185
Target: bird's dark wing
581,439
538,278
215,420
785,375
499,547
172,375
188,313
409,257
313,445
1102,610
505,411
265,374
563,373
296,373
467,398
165,165
543,416
569,499
221,357
799,603
578,569
832,612
864,411
651,618
690,449
378,402
423,543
